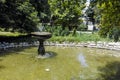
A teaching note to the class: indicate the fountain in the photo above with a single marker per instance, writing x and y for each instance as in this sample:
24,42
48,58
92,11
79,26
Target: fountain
42,36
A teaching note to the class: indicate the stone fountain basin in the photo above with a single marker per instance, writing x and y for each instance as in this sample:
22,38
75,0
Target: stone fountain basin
41,35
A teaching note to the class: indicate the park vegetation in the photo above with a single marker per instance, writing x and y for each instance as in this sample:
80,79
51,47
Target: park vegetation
60,17
106,15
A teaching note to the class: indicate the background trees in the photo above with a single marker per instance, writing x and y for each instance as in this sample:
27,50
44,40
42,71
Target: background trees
29,16
43,9
90,13
26,14
18,15
22,15
109,17
66,12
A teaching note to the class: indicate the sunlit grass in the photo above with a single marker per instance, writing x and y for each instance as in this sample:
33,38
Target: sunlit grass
22,64
83,37
11,33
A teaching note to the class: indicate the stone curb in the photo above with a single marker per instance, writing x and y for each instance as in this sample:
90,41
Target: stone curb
100,45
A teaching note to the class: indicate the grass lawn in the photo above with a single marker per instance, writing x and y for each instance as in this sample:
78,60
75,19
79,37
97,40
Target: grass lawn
11,34
83,37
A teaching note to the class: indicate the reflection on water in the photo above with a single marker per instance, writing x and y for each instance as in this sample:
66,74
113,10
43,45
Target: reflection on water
82,60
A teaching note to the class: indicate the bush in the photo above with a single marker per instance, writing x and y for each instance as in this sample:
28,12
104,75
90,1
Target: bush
57,30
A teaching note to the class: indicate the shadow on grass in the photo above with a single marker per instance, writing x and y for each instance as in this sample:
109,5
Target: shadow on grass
111,71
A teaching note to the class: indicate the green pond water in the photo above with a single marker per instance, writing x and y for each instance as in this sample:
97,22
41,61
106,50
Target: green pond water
69,63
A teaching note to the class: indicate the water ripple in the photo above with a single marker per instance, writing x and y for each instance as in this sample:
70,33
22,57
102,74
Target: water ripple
82,60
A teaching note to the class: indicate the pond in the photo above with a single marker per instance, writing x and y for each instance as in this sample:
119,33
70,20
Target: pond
69,63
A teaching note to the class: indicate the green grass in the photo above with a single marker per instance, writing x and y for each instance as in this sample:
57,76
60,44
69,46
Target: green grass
11,34
22,64
83,37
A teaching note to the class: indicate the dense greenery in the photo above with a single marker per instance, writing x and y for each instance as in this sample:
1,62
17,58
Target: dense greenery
25,15
21,15
79,37
63,15
18,15
107,12
90,14
67,12
43,9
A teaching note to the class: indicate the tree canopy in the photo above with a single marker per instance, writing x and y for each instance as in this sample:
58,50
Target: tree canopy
66,12
110,17
22,15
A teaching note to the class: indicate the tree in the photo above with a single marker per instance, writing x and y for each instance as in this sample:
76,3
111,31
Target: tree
110,17
29,13
43,9
66,12
90,13
18,15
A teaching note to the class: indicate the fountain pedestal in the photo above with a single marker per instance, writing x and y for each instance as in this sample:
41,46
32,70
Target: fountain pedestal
41,49
41,36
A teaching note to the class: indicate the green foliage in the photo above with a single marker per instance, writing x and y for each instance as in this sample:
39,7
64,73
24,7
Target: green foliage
31,18
27,8
11,34
18,15
57,30
90,13
66,13
80,37
2,1
110,17
43,9
82,27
